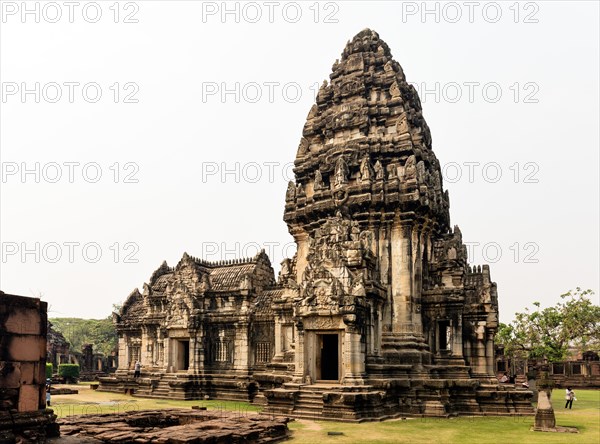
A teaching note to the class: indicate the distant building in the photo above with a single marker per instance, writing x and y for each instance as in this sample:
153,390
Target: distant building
581,370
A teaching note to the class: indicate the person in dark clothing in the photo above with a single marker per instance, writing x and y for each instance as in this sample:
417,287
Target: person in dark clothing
570,396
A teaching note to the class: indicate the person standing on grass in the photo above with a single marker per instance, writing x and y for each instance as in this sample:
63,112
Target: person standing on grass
570,396
47,395
137,369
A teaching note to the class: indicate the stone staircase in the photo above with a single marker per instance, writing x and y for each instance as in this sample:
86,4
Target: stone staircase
327,402
309,404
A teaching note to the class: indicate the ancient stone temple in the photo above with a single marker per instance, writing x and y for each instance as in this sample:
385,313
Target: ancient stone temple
378,314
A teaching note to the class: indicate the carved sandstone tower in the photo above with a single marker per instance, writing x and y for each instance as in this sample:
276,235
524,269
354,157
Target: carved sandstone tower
383,303
365,157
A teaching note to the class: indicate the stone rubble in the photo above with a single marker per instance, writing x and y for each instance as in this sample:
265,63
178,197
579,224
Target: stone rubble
176,426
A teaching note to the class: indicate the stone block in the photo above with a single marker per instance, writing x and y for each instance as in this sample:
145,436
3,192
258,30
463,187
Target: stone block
11,375
27,348
29,398
24,322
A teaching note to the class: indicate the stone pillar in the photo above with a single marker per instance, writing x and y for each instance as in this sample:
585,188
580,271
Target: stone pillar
123,359
278,356
457,339
489,352
402,272
353,357
479,355
168,354
301,238
417,242
192,363
299,356
384,270
241,348
200,352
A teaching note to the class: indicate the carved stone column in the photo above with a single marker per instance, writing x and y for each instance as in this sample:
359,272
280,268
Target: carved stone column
145,353
278,356
123,358
299,358
241,348
168,354
457,338
417,243
301,238
384,272
354,354
489,352
402,276
479,358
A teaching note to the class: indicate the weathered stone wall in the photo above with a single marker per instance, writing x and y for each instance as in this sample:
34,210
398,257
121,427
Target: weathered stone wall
23,329
22,353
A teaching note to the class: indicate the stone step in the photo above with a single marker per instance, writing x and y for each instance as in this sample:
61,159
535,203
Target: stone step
310,403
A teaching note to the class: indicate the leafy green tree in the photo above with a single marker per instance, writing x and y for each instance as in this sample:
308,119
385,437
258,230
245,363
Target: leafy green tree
549,333
100,333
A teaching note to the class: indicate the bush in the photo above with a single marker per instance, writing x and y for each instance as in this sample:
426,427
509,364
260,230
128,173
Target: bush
49,370
68,371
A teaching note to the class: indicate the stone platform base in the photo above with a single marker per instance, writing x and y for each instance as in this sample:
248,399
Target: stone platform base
176,426
557,429
378,398
226,386
382,400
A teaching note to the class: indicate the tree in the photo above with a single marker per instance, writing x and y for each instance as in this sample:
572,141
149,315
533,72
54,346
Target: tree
549,333
100,333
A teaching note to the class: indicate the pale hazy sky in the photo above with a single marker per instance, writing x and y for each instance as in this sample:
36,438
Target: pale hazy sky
195,154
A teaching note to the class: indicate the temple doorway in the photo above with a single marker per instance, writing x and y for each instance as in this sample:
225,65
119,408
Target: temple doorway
183,355
328,357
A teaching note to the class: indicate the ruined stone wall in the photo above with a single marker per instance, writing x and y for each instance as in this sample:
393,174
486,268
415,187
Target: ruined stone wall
23,329
23,325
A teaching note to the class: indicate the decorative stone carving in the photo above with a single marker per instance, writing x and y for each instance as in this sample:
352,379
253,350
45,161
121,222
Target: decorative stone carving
318,185
366,171
379,174
410,169
290,194
341,173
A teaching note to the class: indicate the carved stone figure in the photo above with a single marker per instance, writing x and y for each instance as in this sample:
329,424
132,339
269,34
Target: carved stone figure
318,185
379,174
341,173
366,171
410,168
290,194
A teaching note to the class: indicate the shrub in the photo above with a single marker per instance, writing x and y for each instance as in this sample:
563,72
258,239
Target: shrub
49,370
68,371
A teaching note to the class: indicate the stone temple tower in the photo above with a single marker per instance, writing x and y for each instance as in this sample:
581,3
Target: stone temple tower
380,294
377,315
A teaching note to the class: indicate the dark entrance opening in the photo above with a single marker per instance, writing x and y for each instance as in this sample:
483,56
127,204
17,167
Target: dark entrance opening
329,357
183,355
444,335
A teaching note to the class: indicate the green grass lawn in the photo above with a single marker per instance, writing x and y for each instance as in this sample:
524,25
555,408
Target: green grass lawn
464,430
89,402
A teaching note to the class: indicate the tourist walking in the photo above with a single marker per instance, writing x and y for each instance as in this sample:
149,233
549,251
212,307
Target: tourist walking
137,369
570,396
